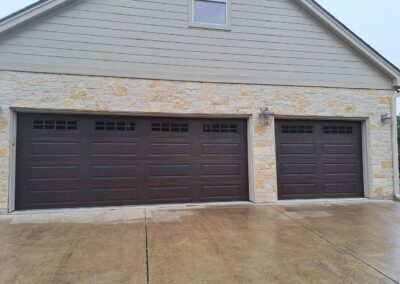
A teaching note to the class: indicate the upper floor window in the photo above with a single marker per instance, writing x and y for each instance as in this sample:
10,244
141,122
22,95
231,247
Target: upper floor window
210,13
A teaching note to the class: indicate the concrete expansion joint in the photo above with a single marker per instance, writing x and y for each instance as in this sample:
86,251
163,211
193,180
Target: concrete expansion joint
147,247
343,249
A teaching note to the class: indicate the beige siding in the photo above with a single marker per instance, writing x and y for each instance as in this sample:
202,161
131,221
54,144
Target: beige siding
271,42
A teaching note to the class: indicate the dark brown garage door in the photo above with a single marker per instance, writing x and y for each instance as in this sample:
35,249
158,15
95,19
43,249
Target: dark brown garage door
83,161
319,159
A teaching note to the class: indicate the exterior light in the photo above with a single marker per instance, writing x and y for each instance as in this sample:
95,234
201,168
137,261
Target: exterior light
266,116
385,117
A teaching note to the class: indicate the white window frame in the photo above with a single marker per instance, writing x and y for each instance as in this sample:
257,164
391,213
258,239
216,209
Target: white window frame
194,24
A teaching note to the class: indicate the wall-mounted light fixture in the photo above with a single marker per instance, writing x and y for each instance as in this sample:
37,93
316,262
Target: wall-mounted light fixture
266,116
385,117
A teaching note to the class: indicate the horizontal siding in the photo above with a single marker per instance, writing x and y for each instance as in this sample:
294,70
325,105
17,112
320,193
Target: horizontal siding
168,50
156,59
271,42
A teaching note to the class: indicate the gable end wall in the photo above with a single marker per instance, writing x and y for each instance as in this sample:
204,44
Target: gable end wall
270,42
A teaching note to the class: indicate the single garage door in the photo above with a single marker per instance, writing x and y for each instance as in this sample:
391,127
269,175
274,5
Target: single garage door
83,161
319,159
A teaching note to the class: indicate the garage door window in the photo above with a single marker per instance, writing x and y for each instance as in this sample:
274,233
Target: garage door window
111,125
169,127
220,128
297,129
338,130
55,125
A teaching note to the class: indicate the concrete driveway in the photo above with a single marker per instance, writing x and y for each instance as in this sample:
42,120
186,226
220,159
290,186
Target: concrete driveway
298,243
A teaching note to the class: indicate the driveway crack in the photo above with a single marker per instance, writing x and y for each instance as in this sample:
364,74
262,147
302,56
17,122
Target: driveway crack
335,245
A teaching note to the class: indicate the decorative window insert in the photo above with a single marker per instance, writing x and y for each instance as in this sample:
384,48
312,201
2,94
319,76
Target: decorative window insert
297,129
210,13
220,128
338,130
169,127
55,125
111,125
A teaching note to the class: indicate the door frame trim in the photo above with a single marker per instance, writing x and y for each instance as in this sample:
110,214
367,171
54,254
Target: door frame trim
13,126
12,161
366,155
367,173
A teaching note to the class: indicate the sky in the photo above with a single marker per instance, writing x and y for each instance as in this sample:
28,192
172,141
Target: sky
376,21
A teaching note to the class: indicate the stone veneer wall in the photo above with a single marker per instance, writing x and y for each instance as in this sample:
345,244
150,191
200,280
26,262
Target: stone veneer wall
135,96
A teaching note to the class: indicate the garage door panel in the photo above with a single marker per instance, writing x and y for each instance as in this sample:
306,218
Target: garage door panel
114,149
114,171
308,189
170,171
339,168
328,163
298,178
297,149
339,188
54,148
220,170
102,161
218,191
174,149
52,151
339,149
170,193
57,179
220,149
298,168
53,198
113,182
56,185
49,172
114,194
113,174
341,178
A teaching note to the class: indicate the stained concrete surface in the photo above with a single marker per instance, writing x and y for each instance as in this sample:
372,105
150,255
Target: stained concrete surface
297,243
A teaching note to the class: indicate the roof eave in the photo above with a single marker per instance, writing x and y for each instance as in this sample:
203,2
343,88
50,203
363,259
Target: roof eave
28,14
397,83
354,41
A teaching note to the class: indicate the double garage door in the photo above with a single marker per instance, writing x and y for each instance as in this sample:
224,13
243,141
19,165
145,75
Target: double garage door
83,161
